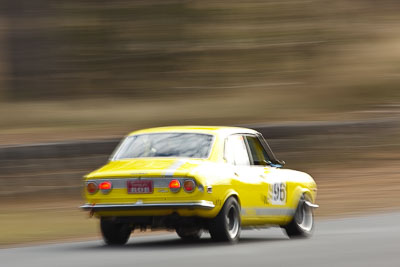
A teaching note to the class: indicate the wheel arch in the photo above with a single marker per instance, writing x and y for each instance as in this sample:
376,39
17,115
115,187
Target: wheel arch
298,192
231,193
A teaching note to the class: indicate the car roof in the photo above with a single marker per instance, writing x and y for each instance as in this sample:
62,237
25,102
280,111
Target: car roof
214,130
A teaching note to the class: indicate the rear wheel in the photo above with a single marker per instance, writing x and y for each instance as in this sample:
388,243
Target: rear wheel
114,233
302,223
226,226
189,233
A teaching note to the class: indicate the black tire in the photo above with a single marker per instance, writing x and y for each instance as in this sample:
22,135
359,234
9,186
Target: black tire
302,224
189,233
226,226
114,233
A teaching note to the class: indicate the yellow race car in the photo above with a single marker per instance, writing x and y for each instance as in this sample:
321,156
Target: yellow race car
196,178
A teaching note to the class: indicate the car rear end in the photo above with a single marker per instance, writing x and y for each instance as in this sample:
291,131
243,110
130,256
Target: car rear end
153,194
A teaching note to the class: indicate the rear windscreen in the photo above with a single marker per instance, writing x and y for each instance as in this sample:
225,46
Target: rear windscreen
188,145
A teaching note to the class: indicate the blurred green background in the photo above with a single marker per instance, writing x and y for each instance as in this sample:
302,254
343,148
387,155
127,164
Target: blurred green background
113,66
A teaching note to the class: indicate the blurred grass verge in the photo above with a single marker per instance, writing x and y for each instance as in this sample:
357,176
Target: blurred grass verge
46,221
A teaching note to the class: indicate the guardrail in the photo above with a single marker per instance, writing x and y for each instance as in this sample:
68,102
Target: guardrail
106,146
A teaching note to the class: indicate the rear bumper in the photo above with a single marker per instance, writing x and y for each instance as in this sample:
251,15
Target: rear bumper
143,206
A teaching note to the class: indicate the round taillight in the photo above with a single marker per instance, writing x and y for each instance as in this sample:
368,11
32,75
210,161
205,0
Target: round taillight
105,187
91,187
174,185
189,186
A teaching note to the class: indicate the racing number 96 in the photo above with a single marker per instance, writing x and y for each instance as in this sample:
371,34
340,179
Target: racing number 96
278,193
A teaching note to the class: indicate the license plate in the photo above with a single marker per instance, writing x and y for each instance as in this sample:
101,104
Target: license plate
140,187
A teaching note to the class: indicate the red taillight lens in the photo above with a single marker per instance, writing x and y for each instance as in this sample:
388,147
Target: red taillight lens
91,187
105,187
174,185
189,186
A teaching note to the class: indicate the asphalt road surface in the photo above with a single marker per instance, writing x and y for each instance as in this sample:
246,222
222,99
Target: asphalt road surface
362,241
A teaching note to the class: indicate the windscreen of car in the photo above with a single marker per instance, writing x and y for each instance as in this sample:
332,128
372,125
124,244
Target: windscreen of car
257,151
188,145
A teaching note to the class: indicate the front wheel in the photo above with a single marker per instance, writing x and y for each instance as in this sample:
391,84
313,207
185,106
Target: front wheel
226,226
114,233
302,224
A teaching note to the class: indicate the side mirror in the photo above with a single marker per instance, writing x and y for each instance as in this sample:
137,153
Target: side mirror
281,162
277,164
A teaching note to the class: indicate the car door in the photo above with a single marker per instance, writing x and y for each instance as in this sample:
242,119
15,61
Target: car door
273,182
248,179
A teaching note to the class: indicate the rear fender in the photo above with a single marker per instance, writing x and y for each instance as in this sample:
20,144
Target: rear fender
231,193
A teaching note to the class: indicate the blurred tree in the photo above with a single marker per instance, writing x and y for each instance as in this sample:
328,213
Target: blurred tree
30,50
91,48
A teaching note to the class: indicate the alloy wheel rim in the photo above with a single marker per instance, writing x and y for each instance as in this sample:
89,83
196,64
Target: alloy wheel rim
232,222
304,218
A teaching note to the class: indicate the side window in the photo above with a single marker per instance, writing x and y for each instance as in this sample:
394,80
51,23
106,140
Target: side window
235,150
258,154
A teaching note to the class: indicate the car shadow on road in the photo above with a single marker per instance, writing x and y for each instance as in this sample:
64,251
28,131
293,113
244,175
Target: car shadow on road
177,243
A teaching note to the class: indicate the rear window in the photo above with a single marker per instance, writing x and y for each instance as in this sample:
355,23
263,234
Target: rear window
188,145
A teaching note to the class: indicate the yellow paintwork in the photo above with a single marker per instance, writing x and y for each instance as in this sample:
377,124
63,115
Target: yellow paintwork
250,184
